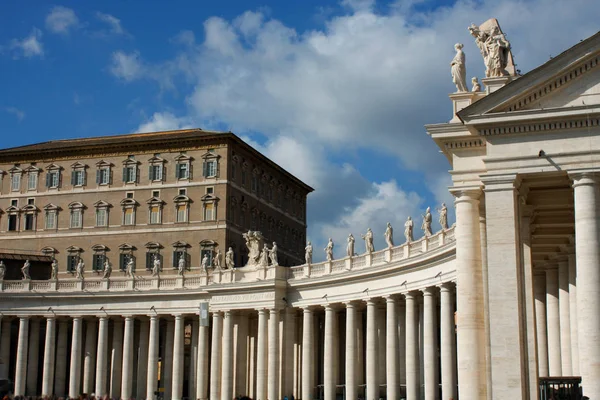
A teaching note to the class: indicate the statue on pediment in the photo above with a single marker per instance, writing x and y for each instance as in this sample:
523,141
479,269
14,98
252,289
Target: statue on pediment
218,260
368,238
443,219
79,269
156,265
458,69
329,250
308,251
273,255
426,225
389,235
254,243
350,246
130,267
408,230
25,270
54,269
107,270
2,270
494,48
229,257
476,86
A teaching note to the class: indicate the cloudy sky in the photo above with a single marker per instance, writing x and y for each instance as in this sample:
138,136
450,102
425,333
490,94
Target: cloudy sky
337,92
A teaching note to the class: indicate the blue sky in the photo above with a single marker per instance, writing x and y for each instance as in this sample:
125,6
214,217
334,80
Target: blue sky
337,92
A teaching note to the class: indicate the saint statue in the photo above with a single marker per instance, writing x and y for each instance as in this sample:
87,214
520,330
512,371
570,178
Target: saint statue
181,265
2,270
54,269
408,230
458,69
494,48
205,262
107,270
129,267
476,86
329,250
25,270
389,235
264,256
229,257
308,250
426,225
350,246
443,219
79,269
368,238
218,259
156,265
273,255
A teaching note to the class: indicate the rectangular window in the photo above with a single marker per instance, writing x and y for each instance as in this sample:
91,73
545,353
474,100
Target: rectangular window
31,201
32,181
72,260
129,195
98,262
210,169
150,259
128,217
78,178
130,174
156,172
209,212
182,213
254,183
101,217
123,260
29,219
12,222
182,171
210,190
207,252
15,182
51,220
14,202
155,215
156,193
52,179
177,255
182,192
103,176
243,176
76,221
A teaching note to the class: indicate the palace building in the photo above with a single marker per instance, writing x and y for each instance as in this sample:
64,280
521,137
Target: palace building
493,307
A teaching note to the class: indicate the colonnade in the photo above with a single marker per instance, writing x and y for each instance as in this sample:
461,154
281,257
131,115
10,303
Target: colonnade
393,346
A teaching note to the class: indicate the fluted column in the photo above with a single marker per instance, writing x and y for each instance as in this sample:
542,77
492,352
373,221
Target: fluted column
152,381
177,389
412,348
372,350
573,314
101,354
49,357
75,370
227,367
116,364
142,361
89,358
393,384
430,344
564,317
553,321
351,384
448,357
202,370
60,374
168,356
330,340
215,356
21,366
307,354
32,357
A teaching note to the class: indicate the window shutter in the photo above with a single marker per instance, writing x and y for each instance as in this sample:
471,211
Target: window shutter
136,174
110,176
125,175
48,179
163,172
98,177
190,170
204,169
175,259
150,175
177,171
149,260
69,263
216,168
122,261
73,178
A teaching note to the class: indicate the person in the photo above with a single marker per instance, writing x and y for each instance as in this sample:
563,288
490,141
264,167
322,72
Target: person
25,270
408,229
443,216
329,250
54,269
273,255
107,270
350,246
308,250
426,226
181,265
156,265
2,270
368,237
389,235
458,69
229,256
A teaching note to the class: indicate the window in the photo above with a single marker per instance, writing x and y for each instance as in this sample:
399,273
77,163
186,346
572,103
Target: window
182,192
129,195
15,182
130,174
243,176
181,213
209,212
180,250
155,172
210,169
31,201
13,222
155,215
155,206
76,220
72,260
53,179
78,178
98,262
101,217
126,255
156,193
129,210
50,219
210,190
233,171
14,203
128,217
153,252
254,183
29,222
103,176
32,180
182,171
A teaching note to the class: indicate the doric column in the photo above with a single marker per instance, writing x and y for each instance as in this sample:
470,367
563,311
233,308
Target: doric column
32,357
587,251
215,356
261,356
193,366
49,357
21,366
5,339
553,321
202,369
573,314
329,384
448,357
60,374
240,346
127,371
351,384
273,372
101,354
486,296
539,289
307,354
391,357
372,350
177,389
360,341
153,336
116,359
75,370
470,302
89,357
430,344
142,361
289,361
168,355
381,344
227,367
564,315
412,347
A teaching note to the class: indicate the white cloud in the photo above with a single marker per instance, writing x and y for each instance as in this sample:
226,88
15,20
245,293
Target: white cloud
114,23
28,47
20,114
61,20
164,121
127,66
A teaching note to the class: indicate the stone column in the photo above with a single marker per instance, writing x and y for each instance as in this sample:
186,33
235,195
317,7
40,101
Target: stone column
351,347
75,370
227,359
116,359
177,389
49,357
152,379
393,385
381,343
5,339
273,359
288,345
587,251
448,357
486,296
261,356
168,356
553,321
330,340
412,348
33,357
202,369
539,287
307,354
372,350
193,370
127,371
21,366
89,358
60,374
573,314
430,344
101,354
565,317
142,361
470,301
215,356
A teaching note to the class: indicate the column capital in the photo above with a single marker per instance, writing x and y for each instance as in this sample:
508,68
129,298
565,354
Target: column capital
391,298
351,304
428,291
500,182
466,193
410,295
584,178
446,286
307,310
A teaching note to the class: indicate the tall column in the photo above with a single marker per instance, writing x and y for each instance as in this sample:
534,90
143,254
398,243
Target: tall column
116,359
127,371
5,339
372,350
60,374
152,379
486,296
360,341
289,342
21,366
177,389
193,368
142,363
430,344
446,340
215,356
412,354
240,345
89,360
227,359
539,288
330,340
381,343
307,354
552,318
202,369
573,314
33,357
564,315
470,302
273,358
49,357
391,357
351,384
75,369
101,354
168,355
261,356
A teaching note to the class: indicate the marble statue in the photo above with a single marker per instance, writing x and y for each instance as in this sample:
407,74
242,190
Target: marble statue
426,226
308,250
476,86
389,235
79,269
54,269
205,262
129,267
254,240
329,250
443,219
350,246
25,270
264,256
218,259
229,257
494,48
408,230
458,69
2,270
368,238
273,255
107,270
181,265
156,266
